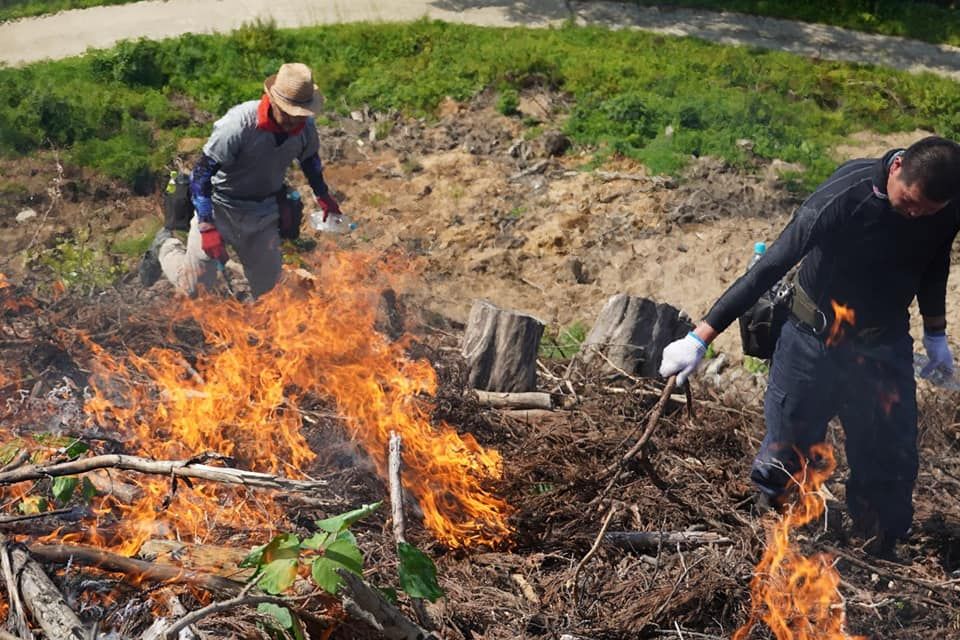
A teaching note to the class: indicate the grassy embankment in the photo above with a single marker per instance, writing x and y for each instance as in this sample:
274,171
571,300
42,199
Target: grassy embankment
122,110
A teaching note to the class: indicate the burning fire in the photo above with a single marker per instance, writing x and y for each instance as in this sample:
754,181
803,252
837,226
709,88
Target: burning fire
240,398
9,303
841,315
796,596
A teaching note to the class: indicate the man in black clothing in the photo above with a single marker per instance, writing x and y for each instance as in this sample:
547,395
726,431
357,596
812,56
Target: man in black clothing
872,237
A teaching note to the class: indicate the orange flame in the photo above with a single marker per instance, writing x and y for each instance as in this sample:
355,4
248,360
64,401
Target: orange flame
841,315
796,596
8,302
241,396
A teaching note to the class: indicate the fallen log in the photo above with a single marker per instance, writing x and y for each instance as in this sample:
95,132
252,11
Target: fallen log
136,569
653,540
524,400
209,558
42,599
178,468
365,603
500,348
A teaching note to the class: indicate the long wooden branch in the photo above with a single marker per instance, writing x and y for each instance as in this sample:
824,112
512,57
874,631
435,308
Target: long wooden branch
522,400
399,522
653,540
138,569
651,426
179,468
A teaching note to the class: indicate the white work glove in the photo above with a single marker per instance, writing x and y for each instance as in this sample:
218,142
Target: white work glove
939,353
682,356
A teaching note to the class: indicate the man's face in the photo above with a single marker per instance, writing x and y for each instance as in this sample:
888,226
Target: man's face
908,199
286,121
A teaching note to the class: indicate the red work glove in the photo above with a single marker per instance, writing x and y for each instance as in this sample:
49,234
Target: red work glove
212,245
328,205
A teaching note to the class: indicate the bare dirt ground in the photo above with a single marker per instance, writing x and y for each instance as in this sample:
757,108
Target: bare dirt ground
483,213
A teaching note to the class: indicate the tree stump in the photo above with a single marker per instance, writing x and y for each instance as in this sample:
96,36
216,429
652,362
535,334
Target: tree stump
631,333
501,348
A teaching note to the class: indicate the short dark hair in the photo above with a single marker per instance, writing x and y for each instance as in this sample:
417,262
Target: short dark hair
935,162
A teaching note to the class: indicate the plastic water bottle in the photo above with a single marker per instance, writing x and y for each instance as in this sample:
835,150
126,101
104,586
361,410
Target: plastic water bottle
172,184
759,249
335,223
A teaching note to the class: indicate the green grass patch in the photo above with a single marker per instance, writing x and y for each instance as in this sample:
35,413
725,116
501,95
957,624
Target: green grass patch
121,110
12,9
937,22
562,343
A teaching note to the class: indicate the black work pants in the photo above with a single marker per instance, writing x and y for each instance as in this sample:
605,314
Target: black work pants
873,392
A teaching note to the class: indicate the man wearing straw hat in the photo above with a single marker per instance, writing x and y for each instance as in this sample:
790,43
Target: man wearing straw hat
237,188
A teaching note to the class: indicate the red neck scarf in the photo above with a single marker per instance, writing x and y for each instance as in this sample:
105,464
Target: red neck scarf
266,122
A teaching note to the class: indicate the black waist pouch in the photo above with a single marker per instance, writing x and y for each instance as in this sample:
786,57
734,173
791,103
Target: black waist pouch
177,205
291,213
761,324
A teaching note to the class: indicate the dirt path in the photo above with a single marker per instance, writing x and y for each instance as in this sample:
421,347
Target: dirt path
72,32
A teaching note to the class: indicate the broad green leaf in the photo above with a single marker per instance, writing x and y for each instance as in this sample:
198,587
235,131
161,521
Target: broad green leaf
62,488
278,563
278,575
32,504
254,557
341,554
324,572
76,449
418,574
282,547
337,524
318,541
282,614
87,490
323,539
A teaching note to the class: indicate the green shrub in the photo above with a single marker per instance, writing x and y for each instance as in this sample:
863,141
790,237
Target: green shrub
508,102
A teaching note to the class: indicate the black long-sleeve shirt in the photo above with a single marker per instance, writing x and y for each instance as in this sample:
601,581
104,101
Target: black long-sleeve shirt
858,251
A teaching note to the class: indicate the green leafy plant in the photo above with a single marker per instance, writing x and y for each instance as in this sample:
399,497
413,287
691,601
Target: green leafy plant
508,102
563,343
331,549
756,365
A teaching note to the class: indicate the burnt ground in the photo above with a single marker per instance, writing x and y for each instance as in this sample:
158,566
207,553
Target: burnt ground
480,211
553,477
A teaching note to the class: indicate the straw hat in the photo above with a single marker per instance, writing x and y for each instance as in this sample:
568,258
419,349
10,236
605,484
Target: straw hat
293,91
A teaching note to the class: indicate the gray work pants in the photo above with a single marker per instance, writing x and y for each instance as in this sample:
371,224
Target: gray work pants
255,241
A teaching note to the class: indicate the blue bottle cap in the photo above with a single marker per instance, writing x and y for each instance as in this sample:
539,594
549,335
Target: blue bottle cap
760,248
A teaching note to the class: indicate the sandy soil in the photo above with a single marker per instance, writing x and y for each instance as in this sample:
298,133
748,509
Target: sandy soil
487,214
